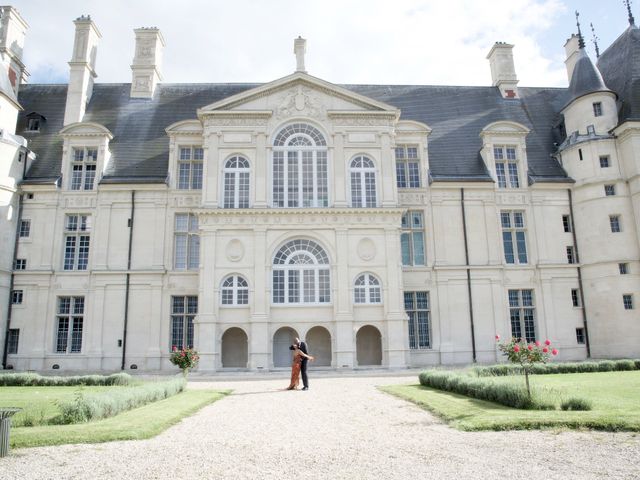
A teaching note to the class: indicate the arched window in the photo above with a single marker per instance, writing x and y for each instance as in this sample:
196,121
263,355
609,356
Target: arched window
299,172
367,289
301,273
236,183
235,291
363,182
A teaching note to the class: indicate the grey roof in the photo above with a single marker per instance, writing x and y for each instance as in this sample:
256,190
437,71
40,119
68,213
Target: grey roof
140,147
585,78
620,67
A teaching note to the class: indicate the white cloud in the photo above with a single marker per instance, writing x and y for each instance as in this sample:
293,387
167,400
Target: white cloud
359,41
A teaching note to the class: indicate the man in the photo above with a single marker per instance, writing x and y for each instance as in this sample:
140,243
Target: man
303,369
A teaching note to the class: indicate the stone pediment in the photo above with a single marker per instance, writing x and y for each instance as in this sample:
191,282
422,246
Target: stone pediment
86,129
298,94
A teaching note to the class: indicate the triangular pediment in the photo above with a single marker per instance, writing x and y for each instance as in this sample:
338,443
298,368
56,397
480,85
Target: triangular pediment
297,92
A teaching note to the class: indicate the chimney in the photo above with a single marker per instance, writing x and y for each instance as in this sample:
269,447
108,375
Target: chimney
503,73
299,48
146,70
571,47
13,30
81,69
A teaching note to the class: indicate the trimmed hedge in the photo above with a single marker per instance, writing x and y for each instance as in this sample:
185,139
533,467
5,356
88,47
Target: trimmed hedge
102,405
577,404
483,389
35,380
551,368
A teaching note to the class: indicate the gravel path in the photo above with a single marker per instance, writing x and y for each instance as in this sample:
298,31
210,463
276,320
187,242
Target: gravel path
341,428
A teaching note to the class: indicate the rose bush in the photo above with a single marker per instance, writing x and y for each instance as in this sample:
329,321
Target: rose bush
526,354
185,358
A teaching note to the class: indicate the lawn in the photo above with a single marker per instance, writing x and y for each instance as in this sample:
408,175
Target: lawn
39,403
615,397
139,423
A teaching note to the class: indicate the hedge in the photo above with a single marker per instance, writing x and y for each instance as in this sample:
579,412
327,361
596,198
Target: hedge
35,380
483,389
111,402
550,368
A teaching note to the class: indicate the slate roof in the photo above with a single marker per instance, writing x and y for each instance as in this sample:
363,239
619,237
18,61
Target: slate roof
140,147
585,78
620,68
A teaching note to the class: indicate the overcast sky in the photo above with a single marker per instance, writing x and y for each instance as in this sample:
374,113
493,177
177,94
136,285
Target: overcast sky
434,42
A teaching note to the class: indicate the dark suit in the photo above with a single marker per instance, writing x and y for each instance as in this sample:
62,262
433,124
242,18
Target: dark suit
303,367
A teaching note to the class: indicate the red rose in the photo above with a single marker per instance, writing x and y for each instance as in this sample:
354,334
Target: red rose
545,350
529,347
547,342
497,337
174,348
516,348
554,352
537,343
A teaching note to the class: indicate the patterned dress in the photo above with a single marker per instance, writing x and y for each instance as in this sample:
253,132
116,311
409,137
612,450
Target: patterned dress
295,370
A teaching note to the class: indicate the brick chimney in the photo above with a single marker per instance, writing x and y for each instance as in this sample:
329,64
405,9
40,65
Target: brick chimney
146,70
13,30
503,72
82,69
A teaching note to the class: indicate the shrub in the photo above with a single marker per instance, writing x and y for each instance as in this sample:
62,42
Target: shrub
551,368
483,389
34,380
625,365
184,359
637,363
576,403
84,408
606,366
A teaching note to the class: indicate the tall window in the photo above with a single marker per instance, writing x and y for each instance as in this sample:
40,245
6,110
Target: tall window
623,268
506,166
571,255
235,291
407,167
566,223
412,238
614,222
597,109
25,228
300,168
83,168
513,237
187,242
575,297
13,341
190,168
236,183
363,182
183,311
522,313
627,301
76,242
367,289
416,304
16,297
69,326
301,273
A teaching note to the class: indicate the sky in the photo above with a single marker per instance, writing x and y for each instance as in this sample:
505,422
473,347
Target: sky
418,42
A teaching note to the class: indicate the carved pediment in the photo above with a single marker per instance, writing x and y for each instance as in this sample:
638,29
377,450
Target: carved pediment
185,127
86,129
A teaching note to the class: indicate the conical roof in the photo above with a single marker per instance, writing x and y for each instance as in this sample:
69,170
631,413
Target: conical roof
585,78
620,67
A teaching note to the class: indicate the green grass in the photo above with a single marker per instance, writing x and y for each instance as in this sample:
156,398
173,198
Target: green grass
139,423
615,398
39,403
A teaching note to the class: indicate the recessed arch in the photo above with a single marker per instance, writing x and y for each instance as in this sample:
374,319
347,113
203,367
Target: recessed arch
234,348
318,341
368,346
282,339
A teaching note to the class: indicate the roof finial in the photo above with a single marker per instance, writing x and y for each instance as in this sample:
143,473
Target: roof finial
632,21
580,39
595,40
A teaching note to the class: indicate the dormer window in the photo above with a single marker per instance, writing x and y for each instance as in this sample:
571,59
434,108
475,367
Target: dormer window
33,125
190,168
597,109
506,166
83,168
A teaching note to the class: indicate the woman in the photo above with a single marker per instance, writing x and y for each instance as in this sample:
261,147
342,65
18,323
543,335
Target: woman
298,355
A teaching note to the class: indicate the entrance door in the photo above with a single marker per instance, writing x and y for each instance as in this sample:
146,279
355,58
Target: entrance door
284,337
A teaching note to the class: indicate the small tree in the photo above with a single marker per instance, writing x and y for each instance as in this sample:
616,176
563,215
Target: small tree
526,354
185,359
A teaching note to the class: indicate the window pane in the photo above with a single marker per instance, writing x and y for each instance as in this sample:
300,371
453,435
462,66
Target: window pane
294,286
184,173
513,175
401,176
278,286
522,247
180,257
196,175
414,174
508,247
500,174
177,331
418,248
423,329
76,335
194,251
62,335
406,249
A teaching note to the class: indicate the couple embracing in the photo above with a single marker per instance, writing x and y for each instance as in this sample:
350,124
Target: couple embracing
299,365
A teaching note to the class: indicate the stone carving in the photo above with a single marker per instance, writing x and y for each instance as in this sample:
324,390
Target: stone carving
300,101
232,121
366,249
235,250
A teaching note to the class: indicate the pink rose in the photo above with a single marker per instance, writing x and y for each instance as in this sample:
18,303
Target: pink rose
174,348
545,350
497,337
516,348
537,343
547,342
529,347
554,352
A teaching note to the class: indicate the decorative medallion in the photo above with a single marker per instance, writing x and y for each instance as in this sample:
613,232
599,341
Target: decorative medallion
366,249
235,250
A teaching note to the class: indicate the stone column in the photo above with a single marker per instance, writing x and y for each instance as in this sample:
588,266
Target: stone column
344,341
339,172
205,327
260,172
387,172
210,170
397,330
259,334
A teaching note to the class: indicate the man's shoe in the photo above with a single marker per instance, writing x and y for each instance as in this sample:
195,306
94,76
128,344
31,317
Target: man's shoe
306,388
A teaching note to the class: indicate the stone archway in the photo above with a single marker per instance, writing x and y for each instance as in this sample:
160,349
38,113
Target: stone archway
282,339
319,344
369,346
234,348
